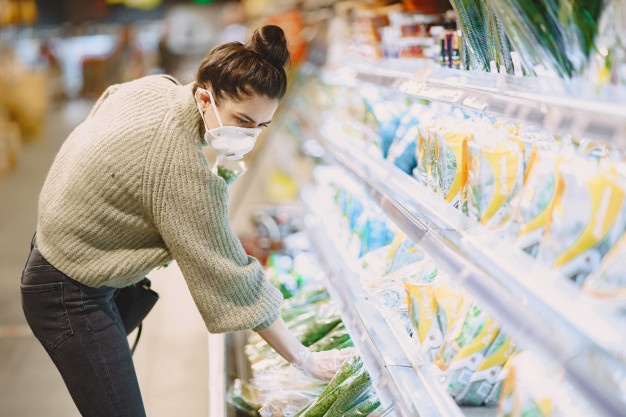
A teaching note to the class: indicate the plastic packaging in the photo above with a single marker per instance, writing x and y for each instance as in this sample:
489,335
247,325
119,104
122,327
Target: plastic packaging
608,282
530,389
229,170
558,36
576,240
495,173
532,206
449,175
485,377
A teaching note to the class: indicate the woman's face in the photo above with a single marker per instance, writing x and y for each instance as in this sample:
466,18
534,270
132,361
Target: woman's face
250,112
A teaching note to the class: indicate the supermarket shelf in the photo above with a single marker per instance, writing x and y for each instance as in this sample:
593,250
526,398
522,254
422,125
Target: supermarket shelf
561,106
548,315
399,376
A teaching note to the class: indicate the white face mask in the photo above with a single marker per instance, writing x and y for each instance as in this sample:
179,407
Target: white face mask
231,142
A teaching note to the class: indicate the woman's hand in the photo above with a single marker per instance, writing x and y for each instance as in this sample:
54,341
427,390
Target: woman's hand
322,365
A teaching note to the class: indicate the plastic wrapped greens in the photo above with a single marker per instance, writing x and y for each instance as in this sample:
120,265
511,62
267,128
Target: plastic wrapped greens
609,281
532,206
464,349
449,175
576,240
426,154
531,389
486,375
471,19
485,41
557,34
344,376
495,173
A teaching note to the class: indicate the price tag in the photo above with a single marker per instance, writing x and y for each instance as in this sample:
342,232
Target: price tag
447,94
476,102
411,87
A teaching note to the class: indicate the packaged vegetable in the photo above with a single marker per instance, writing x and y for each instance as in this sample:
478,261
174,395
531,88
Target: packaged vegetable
402,252
531,389
555,38
608,282
449,176
242,396
332,340
427,154
486,375
532,206
365,405
466,329
450,301
285,391
402,152
577,239
494,175
318,329
351,394
344,376
423,317
464,356
494,395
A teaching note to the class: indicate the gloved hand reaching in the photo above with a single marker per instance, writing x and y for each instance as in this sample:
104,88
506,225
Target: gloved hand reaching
322,365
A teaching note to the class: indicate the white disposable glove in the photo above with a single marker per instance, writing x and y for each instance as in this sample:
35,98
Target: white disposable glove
322,365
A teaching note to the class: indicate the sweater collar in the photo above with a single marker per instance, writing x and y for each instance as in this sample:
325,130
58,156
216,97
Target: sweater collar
188,111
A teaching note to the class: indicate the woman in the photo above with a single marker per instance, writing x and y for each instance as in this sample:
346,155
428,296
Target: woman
130,190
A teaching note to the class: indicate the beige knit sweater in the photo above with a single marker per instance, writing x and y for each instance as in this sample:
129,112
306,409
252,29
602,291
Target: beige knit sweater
130,190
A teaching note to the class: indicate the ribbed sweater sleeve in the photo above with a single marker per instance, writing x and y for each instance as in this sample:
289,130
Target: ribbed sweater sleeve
190,209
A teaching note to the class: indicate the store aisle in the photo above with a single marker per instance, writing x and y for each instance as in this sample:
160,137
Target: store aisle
171,359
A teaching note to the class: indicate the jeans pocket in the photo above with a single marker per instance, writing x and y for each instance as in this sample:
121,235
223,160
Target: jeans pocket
46,313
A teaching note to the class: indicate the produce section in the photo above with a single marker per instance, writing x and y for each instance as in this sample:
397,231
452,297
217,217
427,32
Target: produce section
469,219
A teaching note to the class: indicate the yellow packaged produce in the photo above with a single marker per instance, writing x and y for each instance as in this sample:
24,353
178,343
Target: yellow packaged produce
450,302
423,317
448,174
486,375
497,391
532,206
609,281
465,355
471,321
494,175
427,153
588,217
530,390
422,309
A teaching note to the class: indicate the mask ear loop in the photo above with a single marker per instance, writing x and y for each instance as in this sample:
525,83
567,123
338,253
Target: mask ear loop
219,119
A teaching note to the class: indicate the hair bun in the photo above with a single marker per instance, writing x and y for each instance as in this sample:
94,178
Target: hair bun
269,41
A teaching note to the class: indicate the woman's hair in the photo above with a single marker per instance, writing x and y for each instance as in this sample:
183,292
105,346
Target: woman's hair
238,70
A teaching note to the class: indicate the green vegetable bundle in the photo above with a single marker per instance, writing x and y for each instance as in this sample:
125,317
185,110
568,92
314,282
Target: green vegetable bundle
483,35
558,34
349,393
471,20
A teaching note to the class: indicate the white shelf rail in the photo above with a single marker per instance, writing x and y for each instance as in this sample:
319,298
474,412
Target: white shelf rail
560,106
541,311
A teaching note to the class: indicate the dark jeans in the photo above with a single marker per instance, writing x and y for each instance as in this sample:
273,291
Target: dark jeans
81,329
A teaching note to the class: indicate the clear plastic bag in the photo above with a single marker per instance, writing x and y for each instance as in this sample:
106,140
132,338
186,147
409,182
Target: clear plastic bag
575,241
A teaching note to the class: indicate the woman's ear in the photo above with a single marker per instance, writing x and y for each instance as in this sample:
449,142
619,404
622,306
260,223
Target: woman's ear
203,98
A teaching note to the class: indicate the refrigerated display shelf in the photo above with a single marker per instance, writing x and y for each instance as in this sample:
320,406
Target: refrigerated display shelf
400,375
562,106
548,316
